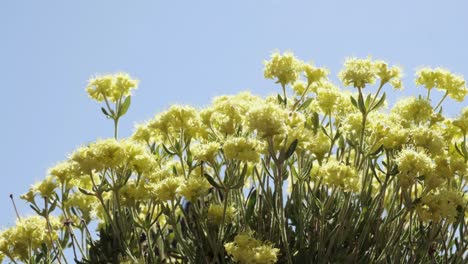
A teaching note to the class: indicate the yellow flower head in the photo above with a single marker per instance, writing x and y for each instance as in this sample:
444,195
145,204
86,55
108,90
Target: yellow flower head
314,74
194,187
412,111
267,119
285,68
442,79
413,164
438,205
166,190
216,214
111,87
247,250
340,175
243,149
462,121
391,75
178,119
206,152
358,72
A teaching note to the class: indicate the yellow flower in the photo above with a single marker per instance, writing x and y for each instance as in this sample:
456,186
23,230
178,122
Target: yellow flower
206,152
178,119
65,171
46,188
462,121
28,235
267,119
438,205
247,250
412,111
327,98
392,75
358,72
442,79
319,144
284,68
115,155
299,87
111,87
194,187
241,148
166,189
413,164
314,74
429,139
340,175
216,213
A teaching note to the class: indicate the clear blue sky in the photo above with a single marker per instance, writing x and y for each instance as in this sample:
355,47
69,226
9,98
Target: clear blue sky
184,52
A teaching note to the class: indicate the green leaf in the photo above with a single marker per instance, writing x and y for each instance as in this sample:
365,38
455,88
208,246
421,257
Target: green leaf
167,150
251,204
280,99
104,111
305,104
85,192
361,104
124,107
354,102
212,181
380,102
291,149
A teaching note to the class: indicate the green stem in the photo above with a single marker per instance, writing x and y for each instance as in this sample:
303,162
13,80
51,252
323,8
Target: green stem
441,100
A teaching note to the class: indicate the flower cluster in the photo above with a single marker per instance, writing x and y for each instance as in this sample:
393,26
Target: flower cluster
111,87
247,250
442,79
193,185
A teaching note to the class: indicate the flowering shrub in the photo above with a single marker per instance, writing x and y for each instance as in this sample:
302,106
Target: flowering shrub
315,174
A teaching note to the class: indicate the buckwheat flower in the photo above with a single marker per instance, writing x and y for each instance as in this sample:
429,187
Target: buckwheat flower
389,133
358,72
285,68
216,214
327,98
428,138
440,205
29,196
386,74
319,144
412,111
247,250
314,74
226,115
241,148
166,189
142,133
194,187
176,120
454,85
206,152
111,87
29,234
136,191
123,84
411,165
46,188
65,171
462,121
299,87
267,119
84,203
340,175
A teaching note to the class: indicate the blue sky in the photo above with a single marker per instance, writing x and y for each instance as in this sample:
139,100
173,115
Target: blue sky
185,52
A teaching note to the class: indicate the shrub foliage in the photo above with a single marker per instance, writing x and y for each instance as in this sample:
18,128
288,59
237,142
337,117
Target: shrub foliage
315,174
